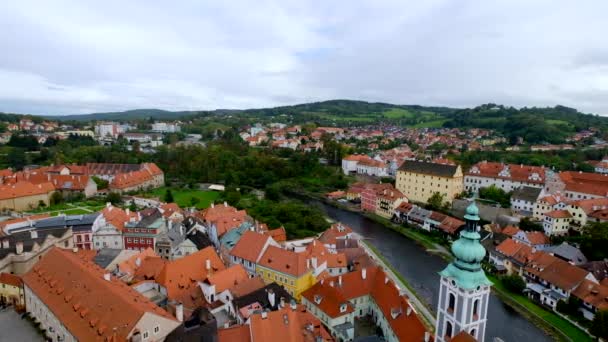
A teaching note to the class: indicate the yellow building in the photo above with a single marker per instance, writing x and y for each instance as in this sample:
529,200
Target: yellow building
420,180
289,269
11,290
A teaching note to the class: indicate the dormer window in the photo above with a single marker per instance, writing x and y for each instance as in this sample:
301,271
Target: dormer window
318,299
343,307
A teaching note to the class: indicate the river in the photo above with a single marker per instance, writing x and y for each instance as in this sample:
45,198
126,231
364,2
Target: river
421,271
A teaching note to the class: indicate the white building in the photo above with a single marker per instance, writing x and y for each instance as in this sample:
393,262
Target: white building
523,200
108,130
557,222
507,177
166,127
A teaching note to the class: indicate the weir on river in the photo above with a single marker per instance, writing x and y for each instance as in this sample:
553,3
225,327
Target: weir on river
421,269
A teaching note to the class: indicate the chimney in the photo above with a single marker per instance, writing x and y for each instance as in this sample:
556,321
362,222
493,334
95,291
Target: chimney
34,234
212,205
19,247
128,212
208,264
409,310
363,273
264,314
282,302
225,204
271,298
314,262
108,204
427,336
331,283
179,312
5,243
340,280
138,262
106,276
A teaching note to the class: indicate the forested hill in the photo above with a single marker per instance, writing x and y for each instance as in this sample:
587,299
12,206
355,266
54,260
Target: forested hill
534,125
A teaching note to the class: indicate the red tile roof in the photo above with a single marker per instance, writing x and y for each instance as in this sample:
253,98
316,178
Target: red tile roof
235,333
24,189
510,230
288,325
558,214
284,261
592,293
69,295
223,216
521,173
585,182
250,245
228,278
11,279
556,271
336,231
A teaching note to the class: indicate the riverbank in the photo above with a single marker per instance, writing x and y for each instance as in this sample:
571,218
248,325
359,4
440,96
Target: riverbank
554,326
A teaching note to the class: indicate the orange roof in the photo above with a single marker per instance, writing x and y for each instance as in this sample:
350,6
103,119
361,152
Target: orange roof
463,336
69,297
150,268
558,214
593,294
513,249
556,271
278,234
585,182
520,173
223,216
116,216
357,157
11,279
288,325
129,266
328,299
24,189
284,261
510,230
235,333
336,231
169,209
180,277
249,246
591,205
247,286
228,278
538,238
450,224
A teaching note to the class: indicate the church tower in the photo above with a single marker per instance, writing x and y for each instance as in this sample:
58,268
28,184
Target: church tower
465,290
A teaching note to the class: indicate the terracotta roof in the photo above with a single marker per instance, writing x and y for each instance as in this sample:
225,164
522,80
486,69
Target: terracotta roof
510,230
180,277
235,333
130,265
69,296
169,209
558,214
23,189
328,299
116,216
538,238
592,293
11,279
556,271
591,205
284,261
450,224
518,251
150,268
288,325
227,278
278,234
404,207
553,199
336,231
463,336
247,286
223,216
585,182
521,173
249,246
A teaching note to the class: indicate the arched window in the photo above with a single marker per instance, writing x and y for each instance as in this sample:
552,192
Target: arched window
451,302
476,309
448,329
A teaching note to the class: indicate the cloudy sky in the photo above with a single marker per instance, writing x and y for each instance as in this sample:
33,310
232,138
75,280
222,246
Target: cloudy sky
80,56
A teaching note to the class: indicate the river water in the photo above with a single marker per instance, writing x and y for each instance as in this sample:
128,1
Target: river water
421,271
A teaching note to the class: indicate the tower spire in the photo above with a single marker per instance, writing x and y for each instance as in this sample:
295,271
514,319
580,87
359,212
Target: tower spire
465,289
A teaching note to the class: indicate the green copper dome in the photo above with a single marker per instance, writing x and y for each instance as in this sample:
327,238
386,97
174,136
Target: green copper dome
468,248
472,212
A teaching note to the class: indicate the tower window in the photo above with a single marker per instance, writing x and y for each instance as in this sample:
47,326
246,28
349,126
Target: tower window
448,330
476,309
451,303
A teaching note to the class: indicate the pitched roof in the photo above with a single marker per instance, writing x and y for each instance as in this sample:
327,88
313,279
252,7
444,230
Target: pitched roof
235,333
288,325
250,245
11,279
450,224
557,214
247,286
556,271
328,299
284,261
592,293
521,173
441,170
24,189
117,217
261,296
69,296
223,216
336,231
585,182
538,238
180,277
591,205
227,278
510,230
277,234
520,252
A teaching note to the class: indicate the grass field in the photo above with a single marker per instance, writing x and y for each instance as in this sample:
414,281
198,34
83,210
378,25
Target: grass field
565,327
558,122
398,113
430,124
183,196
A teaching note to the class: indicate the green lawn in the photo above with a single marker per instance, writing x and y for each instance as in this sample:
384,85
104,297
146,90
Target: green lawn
71,212
398,113
430,124
183,196
567,328
558,122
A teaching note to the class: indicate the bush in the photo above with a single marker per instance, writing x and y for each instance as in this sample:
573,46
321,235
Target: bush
514,283
56,198
599,326
114,198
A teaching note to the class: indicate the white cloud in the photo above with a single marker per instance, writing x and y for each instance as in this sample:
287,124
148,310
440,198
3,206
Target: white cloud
69,56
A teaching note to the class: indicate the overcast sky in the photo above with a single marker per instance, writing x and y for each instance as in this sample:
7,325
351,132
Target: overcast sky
81,56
